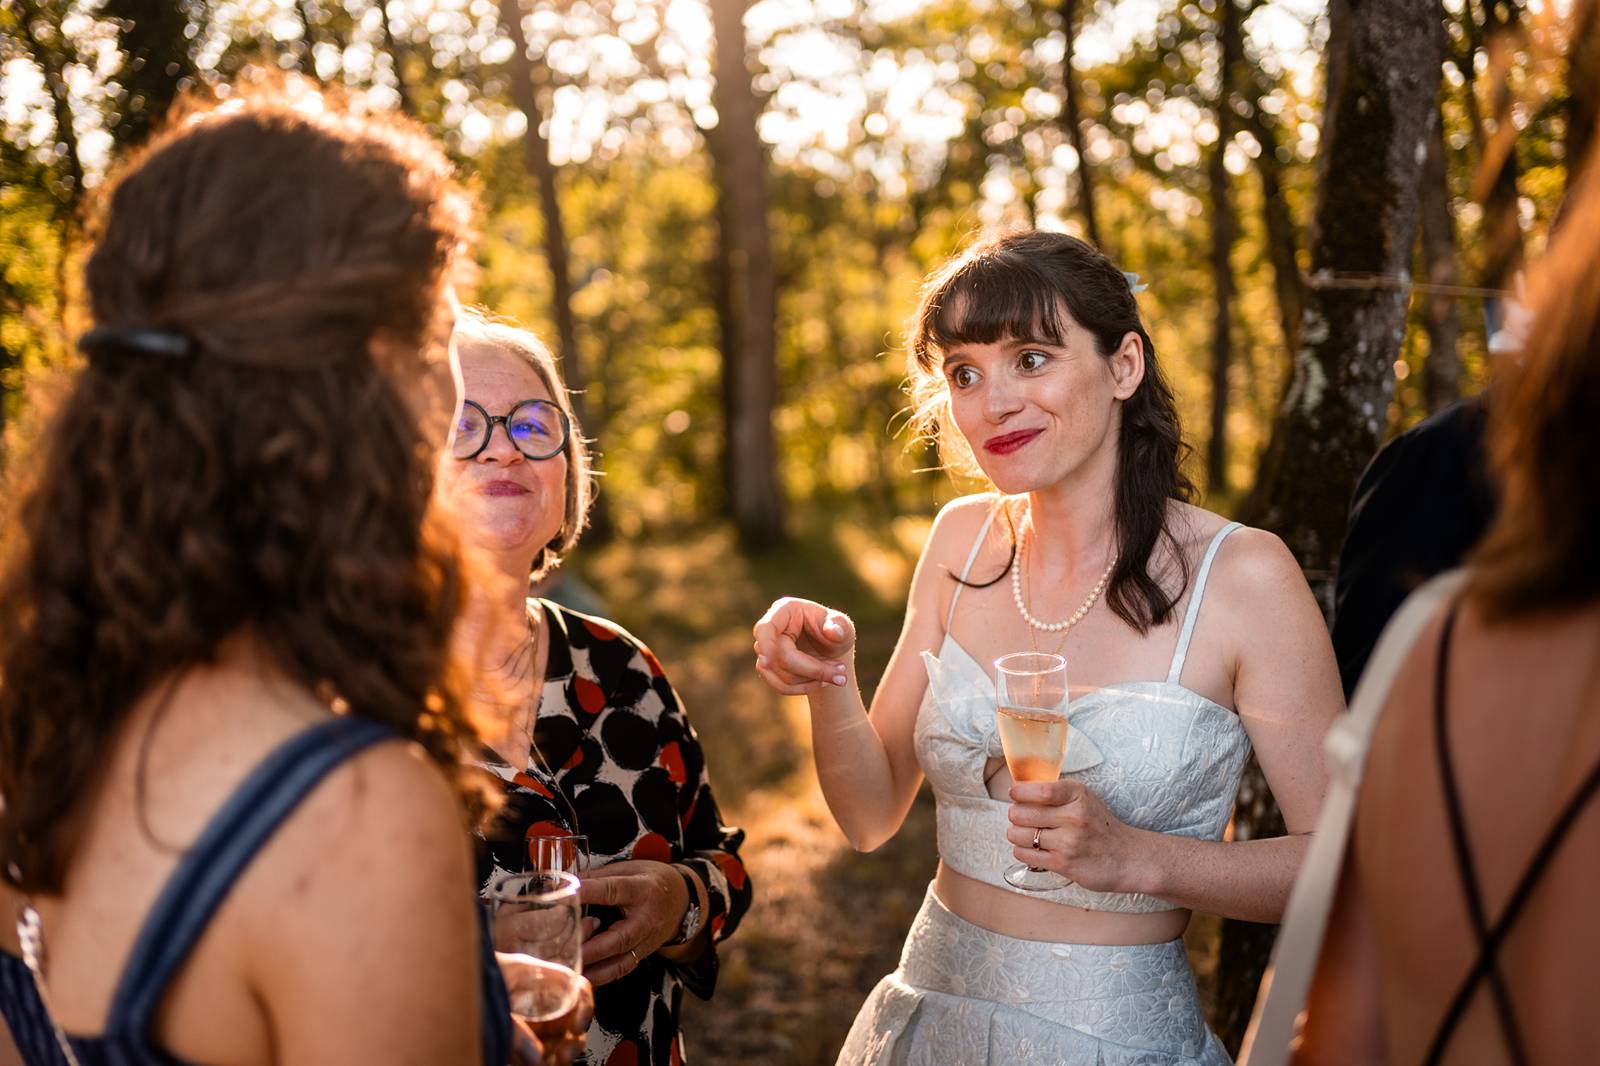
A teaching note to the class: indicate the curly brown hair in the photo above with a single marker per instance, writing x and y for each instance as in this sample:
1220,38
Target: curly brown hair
273,482
1016,286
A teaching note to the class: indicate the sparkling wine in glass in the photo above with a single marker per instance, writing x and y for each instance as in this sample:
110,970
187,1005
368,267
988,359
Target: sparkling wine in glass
1031,705
539,933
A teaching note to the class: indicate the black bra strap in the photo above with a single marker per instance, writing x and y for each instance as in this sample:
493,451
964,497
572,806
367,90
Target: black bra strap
1519,899
1487,962
1466,865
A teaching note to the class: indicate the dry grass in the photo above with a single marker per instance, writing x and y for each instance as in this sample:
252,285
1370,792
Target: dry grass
827,922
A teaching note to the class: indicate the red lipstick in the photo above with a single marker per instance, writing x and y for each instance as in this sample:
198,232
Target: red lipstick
1007,443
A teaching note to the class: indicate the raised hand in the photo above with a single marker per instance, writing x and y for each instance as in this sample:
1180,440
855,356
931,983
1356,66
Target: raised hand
802,647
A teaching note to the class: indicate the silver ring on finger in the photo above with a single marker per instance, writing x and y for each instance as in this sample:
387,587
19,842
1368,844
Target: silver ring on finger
1036,835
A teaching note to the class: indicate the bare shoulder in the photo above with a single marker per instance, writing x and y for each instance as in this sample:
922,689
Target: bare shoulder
391,792
957,525
1253,572
1253,561
1257,587
361,933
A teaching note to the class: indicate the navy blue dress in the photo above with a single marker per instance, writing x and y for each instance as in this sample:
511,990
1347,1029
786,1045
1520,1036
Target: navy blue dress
192,895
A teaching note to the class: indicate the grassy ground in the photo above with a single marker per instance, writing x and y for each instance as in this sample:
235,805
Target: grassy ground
827,922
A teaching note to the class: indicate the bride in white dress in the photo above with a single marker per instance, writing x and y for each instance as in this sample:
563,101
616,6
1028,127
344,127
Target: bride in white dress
1190,641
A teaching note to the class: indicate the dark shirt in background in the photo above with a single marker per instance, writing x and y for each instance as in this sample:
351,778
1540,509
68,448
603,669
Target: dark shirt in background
1421,505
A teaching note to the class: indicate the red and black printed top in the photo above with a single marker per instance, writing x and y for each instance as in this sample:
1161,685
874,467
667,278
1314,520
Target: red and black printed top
624,761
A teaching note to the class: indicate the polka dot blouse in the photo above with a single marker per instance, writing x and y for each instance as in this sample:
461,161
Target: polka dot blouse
614,752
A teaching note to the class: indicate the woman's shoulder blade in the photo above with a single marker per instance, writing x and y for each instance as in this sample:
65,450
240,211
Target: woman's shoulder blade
391,787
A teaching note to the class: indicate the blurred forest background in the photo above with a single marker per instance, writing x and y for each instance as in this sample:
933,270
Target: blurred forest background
718,213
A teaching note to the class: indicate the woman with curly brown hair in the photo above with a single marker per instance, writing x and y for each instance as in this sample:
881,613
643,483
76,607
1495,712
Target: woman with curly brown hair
229,740
1191,641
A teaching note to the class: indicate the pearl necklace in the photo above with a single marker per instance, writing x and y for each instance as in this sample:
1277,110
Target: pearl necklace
1022,606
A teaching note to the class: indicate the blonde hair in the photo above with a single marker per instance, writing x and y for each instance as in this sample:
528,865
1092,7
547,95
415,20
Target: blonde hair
481,328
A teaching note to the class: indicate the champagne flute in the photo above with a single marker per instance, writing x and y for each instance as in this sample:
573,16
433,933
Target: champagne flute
568,853
536,921
1031,705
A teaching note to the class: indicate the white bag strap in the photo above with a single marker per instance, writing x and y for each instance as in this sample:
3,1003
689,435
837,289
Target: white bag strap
1281,1000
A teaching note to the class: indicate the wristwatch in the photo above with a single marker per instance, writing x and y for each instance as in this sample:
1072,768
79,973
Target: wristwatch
692,918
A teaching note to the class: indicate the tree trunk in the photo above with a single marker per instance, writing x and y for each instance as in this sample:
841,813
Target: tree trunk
1441,373
525,79
156,64
1384,59
397,59
1223,228
1583,87
749,357
1072,121
1282,235
52,57
1496,185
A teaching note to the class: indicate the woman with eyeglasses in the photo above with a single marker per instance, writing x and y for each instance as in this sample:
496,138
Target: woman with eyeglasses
592,741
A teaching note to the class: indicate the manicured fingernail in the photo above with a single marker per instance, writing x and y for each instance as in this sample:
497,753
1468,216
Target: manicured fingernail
839,679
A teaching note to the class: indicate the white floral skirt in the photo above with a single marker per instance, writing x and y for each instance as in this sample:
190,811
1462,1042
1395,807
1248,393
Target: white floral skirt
966,996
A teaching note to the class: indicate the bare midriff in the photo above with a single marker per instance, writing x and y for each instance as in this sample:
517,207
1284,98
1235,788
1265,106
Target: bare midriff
1031,918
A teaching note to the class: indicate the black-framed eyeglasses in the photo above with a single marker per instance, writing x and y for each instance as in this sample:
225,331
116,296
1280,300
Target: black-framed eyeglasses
536,428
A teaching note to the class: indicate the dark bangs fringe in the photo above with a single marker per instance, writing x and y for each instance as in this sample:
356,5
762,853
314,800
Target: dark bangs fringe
995,297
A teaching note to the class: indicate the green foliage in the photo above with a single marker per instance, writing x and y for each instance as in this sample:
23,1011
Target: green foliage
860,213
32,264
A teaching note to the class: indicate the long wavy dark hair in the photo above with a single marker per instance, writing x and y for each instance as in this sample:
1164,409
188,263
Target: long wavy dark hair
273,481
1017,286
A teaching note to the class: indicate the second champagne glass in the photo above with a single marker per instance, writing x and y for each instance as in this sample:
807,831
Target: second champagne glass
1031,703
536,919
568,853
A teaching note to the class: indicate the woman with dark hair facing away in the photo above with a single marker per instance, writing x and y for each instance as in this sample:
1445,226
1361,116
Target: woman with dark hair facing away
1188,640
234,827
1463,927
584,732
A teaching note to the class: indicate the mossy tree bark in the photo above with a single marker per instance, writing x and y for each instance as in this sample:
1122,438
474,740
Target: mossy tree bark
1383,63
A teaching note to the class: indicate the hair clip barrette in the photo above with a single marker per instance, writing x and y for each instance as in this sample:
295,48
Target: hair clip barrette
1134,285
161,342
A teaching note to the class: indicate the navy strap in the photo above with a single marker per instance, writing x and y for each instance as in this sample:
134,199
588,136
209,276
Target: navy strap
224,849
496,1000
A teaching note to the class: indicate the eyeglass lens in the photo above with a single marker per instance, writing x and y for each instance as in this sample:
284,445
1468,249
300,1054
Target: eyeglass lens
536,427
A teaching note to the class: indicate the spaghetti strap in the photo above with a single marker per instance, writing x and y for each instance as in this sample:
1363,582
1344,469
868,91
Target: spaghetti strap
972,557
1466,864
1180,651
231,839
1490,939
